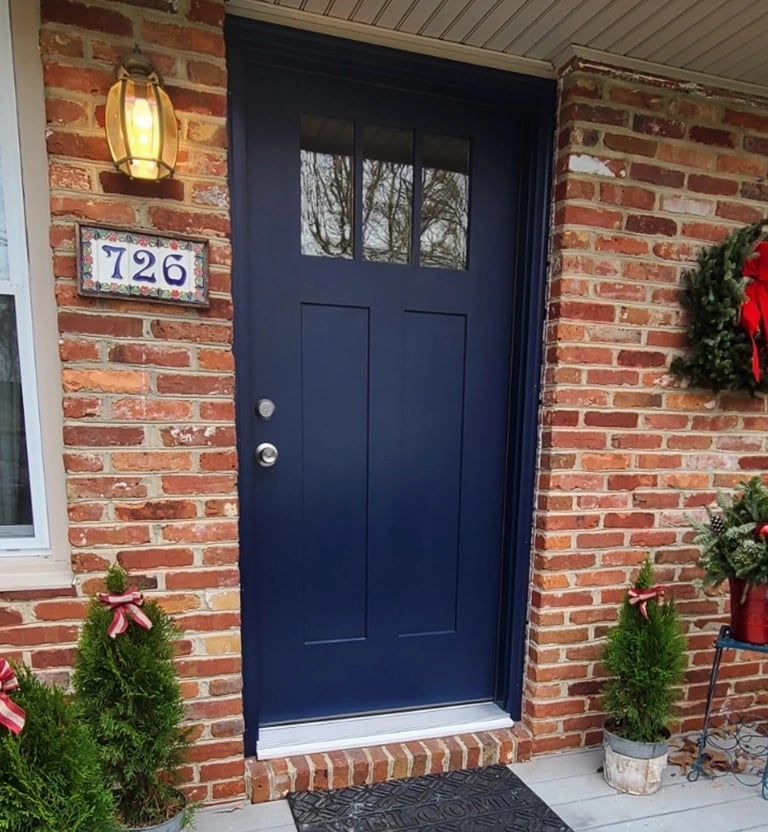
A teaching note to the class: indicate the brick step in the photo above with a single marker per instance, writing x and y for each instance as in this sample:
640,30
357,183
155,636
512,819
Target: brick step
273,779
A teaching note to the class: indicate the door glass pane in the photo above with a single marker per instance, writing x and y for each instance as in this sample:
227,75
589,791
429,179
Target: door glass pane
387,194
444,202
327,186
15,499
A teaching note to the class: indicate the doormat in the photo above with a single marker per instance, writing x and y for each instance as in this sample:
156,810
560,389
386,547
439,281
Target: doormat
489,799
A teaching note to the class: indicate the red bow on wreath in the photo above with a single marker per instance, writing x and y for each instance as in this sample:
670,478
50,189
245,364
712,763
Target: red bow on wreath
754,310
125,606
11,715
643,596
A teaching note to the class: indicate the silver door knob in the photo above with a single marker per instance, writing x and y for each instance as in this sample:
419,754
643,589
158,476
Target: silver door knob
266,454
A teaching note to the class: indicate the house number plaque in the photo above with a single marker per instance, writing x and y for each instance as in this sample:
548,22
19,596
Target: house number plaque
141,265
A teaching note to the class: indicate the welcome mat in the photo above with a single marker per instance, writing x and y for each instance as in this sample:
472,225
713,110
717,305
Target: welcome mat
489,799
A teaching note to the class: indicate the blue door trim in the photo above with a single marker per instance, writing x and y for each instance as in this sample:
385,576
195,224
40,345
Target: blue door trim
534,100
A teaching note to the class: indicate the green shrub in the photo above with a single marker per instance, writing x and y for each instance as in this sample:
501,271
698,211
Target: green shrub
646,661
50,778
127,693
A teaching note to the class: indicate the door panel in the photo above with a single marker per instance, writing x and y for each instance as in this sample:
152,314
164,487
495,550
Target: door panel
382,334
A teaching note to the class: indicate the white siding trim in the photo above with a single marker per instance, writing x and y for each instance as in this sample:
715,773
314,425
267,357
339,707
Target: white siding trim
49,565
18,260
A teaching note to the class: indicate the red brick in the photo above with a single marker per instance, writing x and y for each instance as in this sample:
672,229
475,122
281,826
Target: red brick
657,126
647,224
578,111
168,557
756,144
75,322
631,197
667,177
712,185
621,245
149,410
103,437
712,136
113,182
202,579
596,217
31,636
86,16
184,38
631,145
61,143
751,121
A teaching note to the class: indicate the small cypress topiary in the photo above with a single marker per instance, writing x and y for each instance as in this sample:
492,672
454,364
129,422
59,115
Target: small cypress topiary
127,693
50,777
645,658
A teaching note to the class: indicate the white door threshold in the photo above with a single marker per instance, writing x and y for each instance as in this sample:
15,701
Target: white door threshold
355,732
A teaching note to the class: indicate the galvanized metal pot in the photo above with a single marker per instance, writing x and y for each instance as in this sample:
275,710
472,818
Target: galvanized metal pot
633,767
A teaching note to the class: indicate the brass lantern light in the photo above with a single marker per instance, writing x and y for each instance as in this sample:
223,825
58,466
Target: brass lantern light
142,132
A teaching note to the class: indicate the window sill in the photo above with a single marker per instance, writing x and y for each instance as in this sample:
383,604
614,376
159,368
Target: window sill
34,572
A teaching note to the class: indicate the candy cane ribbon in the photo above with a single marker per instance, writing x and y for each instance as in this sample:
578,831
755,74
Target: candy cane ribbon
643,596
125,606
754,310
11,715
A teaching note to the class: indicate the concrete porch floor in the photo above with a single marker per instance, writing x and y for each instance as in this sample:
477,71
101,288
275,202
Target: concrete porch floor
570,784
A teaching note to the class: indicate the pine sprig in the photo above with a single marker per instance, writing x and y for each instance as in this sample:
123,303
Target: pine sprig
128,695
50,777
645,659
732,545
720,352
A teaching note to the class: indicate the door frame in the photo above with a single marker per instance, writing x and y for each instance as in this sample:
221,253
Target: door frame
252,42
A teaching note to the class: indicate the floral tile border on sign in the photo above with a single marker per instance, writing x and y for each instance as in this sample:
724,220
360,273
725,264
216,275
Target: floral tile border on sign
142,266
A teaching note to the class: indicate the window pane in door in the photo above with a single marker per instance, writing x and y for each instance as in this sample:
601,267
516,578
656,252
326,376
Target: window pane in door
387,194
327,186
444,202
15,498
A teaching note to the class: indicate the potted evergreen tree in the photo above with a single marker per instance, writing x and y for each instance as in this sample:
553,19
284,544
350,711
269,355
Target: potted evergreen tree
50,776
645,659
127,693
734,547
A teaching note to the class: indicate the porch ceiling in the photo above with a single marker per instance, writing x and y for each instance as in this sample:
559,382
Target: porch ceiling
725,39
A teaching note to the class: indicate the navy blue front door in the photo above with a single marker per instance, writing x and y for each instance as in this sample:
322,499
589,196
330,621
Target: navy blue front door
374,296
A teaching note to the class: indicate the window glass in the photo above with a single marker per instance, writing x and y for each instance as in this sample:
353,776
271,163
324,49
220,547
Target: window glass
15,498
387,194
327,186
444,202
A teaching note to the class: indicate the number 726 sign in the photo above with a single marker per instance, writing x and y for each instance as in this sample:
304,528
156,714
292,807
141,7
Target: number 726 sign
136,264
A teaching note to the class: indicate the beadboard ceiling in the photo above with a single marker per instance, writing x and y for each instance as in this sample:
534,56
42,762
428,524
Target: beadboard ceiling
723,39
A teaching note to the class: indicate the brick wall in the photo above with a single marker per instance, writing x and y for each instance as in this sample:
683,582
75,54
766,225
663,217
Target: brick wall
149,429
647,171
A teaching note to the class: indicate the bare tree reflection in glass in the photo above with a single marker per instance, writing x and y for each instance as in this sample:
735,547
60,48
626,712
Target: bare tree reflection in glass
444,202
327,187
387,194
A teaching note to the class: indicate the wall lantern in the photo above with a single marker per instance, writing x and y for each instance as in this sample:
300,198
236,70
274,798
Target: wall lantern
142,131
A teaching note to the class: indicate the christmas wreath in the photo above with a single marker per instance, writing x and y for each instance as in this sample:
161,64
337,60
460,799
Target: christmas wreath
727,318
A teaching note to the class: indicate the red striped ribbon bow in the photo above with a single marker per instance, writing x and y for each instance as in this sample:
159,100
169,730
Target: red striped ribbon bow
11,715
643,596
126,606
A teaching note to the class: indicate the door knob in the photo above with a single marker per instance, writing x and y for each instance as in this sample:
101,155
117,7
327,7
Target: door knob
266,454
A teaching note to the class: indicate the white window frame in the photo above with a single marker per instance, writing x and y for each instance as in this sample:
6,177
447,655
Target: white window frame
41,560
18,288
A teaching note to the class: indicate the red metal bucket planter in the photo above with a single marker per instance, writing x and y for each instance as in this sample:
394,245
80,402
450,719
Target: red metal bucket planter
749,611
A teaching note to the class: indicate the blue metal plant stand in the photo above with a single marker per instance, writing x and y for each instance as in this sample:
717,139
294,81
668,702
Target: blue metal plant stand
724,641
